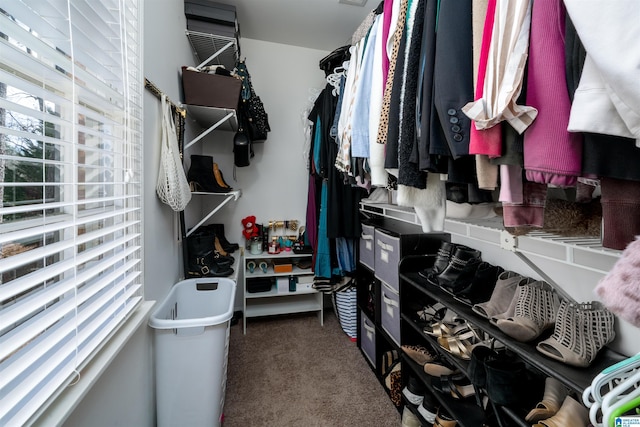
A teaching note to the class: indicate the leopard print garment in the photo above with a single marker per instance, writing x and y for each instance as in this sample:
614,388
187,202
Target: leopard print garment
386,101
395,393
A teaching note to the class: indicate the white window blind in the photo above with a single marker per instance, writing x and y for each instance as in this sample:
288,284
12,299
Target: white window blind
70,211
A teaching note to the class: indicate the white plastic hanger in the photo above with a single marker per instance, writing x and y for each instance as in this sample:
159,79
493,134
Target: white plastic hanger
622,405
605,380
334,78
611,397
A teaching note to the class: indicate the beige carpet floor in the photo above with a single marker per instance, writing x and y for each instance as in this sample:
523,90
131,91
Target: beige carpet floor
290,371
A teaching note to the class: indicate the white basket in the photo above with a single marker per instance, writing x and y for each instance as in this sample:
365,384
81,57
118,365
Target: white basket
191,346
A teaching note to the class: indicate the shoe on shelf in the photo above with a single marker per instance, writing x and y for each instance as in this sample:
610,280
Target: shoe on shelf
444,329
439,369
554,394
218,230
512,306
580,332
442,261
570,414
393,382
443,419
414,391
500,297
200,175
389,360
217,174
479,288
456,385
431,313
409,419
418,354
462,343
535,312
428,408
463,263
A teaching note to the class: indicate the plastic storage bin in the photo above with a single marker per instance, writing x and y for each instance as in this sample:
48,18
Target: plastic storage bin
191,347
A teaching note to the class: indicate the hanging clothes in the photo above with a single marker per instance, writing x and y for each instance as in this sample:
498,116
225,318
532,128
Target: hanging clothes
505,70
424,99
607,100
552,155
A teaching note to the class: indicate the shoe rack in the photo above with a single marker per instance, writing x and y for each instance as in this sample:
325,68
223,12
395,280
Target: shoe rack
579,253
382,245
414,288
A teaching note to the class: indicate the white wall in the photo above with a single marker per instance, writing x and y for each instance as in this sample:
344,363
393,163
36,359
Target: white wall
273,187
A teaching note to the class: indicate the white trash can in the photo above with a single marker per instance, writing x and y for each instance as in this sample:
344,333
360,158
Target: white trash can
191,348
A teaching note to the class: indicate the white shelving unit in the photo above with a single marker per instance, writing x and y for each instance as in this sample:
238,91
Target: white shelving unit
584,252
273,302
211,118
213,48
221,50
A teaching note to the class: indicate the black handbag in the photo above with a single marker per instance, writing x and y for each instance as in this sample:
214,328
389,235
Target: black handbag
251,110
242,150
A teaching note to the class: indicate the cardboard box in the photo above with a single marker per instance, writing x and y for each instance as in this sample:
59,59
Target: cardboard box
282,266
210,90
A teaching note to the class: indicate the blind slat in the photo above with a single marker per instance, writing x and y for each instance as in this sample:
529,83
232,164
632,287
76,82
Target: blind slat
66,352
26,332
46,342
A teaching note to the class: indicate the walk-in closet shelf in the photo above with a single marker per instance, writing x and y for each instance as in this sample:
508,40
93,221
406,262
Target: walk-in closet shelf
279,301
586,253
415,288
211,118
213,49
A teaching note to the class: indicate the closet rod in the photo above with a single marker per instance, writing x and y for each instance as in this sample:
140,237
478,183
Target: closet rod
148,84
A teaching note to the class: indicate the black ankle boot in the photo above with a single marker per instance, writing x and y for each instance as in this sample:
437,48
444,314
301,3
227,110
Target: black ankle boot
201,177
462,257
481,286
463,278
202,260
441,262
218,230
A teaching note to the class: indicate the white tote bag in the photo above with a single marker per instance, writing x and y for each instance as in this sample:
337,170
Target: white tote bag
172,186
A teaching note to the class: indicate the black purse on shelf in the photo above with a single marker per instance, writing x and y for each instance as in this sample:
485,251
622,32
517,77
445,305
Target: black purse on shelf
242,149
252,113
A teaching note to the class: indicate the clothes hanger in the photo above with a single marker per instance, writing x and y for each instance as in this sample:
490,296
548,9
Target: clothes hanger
617,371
624,405
334,78
611,397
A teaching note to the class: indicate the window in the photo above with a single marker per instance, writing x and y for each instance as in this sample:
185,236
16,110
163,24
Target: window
70,209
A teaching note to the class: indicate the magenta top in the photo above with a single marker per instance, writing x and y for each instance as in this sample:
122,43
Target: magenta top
552,155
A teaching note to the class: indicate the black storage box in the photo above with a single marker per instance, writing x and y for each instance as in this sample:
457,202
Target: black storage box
260,284
210,90
206,10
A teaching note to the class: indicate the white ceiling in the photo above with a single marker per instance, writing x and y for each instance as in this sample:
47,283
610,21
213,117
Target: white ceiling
316,24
